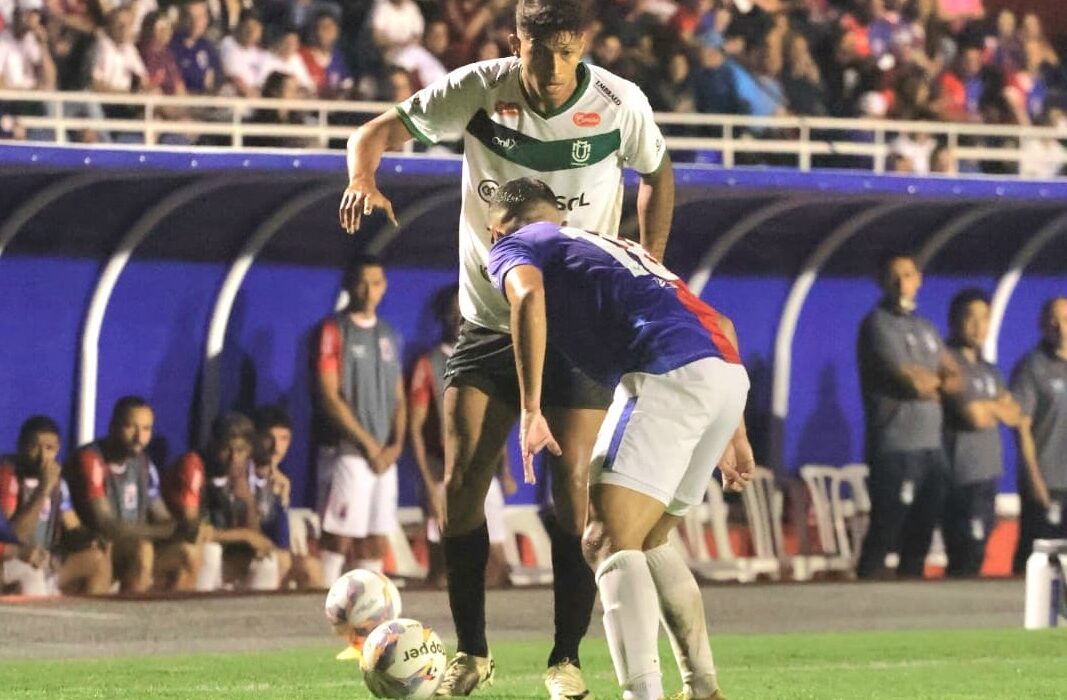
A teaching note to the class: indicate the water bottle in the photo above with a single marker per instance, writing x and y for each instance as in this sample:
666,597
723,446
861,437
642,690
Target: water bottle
1044,584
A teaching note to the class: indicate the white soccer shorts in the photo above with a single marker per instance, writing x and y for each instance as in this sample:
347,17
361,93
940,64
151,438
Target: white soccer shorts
353,501
665,433
494,516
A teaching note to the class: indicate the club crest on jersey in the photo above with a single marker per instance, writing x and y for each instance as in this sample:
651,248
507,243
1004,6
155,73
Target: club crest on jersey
580,151
487,188
507,109
586,119
385,347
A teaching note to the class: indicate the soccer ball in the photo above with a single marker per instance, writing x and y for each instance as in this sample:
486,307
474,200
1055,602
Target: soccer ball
358,602
403,659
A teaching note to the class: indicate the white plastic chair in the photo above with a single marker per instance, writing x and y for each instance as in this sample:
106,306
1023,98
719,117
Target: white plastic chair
824,486
526,521
858,506
724,566
763,511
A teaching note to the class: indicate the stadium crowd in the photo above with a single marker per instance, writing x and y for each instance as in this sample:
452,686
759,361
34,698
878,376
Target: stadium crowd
924,60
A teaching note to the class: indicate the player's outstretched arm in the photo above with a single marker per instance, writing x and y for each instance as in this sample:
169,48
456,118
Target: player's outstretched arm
386,132
655,208
525,289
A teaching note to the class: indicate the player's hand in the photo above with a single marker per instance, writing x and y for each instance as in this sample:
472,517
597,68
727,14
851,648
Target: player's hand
281,486
50,471
435,498
385,458
508,484
359,200
33,555
260,544
738,463
534,436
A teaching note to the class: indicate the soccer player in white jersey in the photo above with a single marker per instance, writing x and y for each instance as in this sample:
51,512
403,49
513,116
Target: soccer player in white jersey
538,113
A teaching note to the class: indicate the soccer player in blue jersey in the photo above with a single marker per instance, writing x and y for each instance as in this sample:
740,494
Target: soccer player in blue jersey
680,392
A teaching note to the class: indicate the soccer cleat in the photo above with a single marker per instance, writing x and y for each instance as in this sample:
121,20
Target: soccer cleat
683,695
349,653
564,682
465,674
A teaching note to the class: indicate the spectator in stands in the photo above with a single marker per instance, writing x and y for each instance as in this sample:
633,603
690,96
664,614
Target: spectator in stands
161,70
1009,54
426,432
802,81
224,16
469,23
715,86
115,490
943,162
55,548
324,61
117,65
244,61
212,487
282,87
397,27
271,490
71,29
25,55
285,58
961,88
360,398
972,440
904,371
607,50
196,55
917,149
1039,383
674,93
398,85
1026,89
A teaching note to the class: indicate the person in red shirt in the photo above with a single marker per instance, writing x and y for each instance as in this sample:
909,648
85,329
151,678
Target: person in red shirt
115,489
210,490
55,550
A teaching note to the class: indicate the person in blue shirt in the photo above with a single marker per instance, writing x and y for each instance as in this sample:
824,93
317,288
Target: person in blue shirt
680,392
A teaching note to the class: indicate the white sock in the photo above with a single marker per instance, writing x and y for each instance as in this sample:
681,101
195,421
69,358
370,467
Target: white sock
263,574
371,564
631,622
209,576
332,565
682,608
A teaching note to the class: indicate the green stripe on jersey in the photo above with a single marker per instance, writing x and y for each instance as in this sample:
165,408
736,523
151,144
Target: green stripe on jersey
412,129
543,156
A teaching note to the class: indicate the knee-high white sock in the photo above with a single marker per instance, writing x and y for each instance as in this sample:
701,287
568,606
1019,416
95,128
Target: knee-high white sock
631,622
332,565
377,565
209,575
683,615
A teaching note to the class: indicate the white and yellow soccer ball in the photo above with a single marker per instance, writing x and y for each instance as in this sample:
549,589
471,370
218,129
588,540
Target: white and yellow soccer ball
358,602
403,659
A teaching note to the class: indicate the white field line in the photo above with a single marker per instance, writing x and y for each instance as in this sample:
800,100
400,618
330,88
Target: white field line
66,614
884,665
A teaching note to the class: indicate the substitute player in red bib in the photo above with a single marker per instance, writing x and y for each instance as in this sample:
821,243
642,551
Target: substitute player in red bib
543,113
680,394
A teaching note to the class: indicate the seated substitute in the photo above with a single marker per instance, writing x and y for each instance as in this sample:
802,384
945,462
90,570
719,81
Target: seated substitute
115,490
627,321
56,552
212,487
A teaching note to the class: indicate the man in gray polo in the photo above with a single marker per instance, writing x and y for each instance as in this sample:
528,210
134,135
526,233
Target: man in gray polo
972,437
1039,382
904,370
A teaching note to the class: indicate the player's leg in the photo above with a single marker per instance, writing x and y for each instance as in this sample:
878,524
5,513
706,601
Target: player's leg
86,571
176,565
346,511
136,559
891,499
237,558
931,483
681,604
955,528
383,492
333,548
477,425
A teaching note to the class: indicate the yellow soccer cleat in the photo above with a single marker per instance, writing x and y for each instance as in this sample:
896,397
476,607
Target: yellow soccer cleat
349,653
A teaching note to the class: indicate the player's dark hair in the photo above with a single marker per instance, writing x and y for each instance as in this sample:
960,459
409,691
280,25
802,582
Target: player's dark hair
886,260
123,407
262,452
232,426
270,416
355,267
35,425
958,306
542,19
513,197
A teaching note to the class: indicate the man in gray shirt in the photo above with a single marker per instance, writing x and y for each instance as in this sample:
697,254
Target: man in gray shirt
1039,382
972,438
360,425
904,369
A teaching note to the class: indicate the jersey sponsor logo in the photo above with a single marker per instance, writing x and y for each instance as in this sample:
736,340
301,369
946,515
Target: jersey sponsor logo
606,91
1058,385
359,351
487,188
586,119
580,151
385,348
506,143
571,203
507,109
129,497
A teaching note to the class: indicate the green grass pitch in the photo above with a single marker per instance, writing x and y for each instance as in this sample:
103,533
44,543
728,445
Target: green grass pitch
943,665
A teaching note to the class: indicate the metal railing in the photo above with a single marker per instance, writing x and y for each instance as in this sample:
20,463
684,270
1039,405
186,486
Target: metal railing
801,141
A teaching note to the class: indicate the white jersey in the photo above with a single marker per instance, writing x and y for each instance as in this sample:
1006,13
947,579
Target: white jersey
578,149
